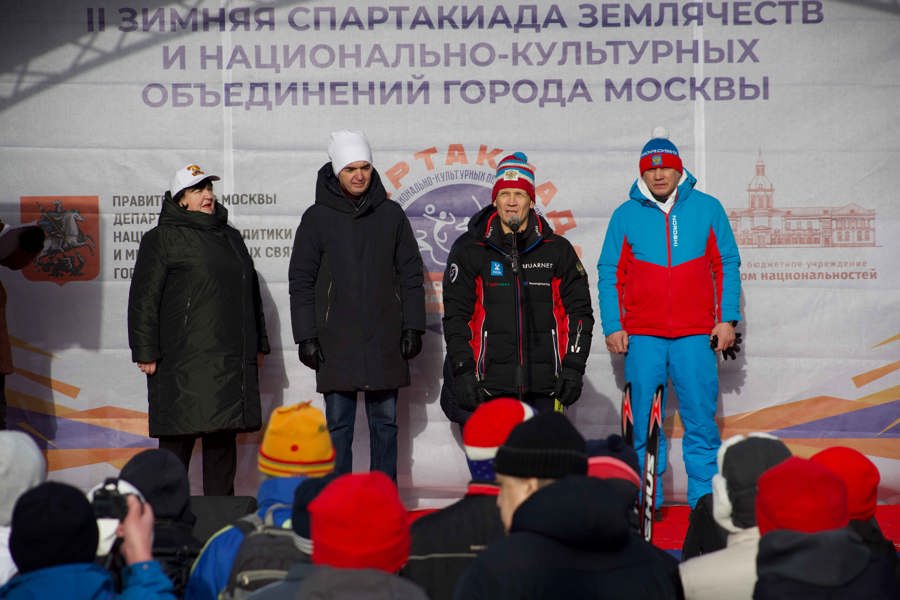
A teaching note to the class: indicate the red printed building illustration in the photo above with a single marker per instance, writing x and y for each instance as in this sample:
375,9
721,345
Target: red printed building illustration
762,225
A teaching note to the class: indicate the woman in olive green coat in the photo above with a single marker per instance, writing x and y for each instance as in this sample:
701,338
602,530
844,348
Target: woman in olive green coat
196,329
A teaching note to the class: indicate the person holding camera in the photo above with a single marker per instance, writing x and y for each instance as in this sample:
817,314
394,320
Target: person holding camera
53,541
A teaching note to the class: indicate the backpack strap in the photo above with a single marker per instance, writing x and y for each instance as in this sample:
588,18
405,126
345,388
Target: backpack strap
248,523
253,521
269,519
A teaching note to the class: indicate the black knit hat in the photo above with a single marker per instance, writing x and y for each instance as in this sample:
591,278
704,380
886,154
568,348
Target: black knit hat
545,446
163,481
52,524
742,460
305,493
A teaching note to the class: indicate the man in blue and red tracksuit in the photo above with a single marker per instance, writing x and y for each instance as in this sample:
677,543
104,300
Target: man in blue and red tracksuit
517,308
670,289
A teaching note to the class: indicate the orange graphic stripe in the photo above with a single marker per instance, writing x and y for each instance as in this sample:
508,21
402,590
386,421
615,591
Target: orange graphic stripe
889,427
63,388
38,405
881,447
18,343
34,432
888,341
67,459
864,378
118,419
791,414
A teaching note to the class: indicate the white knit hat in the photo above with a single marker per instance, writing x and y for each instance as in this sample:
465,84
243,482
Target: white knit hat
345,147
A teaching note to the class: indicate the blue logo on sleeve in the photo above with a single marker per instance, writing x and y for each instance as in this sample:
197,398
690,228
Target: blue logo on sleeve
496,269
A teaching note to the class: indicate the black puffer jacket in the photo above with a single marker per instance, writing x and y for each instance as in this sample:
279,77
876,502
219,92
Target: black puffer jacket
492,327
571,539
195,308
356,284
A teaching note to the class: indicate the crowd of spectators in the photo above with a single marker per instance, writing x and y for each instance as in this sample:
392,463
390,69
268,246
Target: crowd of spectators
547,514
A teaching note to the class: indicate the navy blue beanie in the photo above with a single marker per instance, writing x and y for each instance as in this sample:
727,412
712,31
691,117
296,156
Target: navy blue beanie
305,493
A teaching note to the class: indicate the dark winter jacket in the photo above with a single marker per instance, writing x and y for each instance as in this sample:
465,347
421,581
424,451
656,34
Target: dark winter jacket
356,284
571,539
195,309
828,564
496,327
874,539
445,543
326,583
163,481
321,582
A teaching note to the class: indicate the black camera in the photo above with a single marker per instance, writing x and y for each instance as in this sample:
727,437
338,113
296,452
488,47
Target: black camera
108,502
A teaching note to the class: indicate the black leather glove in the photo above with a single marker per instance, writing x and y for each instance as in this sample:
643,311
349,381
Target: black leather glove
410,343
32,240
733,351
568,386
466,388
728,352
311,353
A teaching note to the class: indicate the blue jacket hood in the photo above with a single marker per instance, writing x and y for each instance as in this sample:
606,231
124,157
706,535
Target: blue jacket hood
278,490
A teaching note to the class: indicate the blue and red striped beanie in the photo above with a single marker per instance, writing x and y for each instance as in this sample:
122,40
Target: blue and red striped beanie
659,152
513,171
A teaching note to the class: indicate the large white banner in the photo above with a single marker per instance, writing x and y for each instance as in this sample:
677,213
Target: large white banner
786,110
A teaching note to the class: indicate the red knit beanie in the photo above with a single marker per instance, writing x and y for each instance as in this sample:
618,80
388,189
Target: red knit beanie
860,476
358,522
800,495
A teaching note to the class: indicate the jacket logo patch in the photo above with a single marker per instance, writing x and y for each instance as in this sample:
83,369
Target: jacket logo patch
538,265
496,269
580,268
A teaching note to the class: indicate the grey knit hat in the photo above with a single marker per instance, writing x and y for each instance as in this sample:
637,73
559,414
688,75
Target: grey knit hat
22,466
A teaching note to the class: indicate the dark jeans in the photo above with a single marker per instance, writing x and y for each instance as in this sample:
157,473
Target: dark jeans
381,411
219,458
